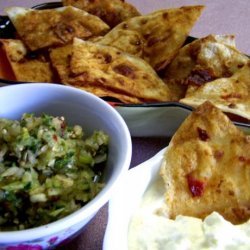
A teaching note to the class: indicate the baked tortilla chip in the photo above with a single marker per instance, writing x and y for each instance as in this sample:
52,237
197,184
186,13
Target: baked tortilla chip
26,67
207,167
61,58
52,27
231,94
107,71
111,12
106,93
155,37
203,60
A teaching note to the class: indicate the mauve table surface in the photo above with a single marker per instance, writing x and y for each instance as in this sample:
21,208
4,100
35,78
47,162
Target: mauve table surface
219,17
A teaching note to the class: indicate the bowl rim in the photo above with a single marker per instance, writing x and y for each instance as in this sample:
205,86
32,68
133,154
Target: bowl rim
99,200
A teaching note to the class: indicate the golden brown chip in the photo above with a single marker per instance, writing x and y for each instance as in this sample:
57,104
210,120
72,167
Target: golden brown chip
231,94
122,72
26,67
203,60
155,37
104,92
111,12
128,41
44,28
109,72
207,167
61,58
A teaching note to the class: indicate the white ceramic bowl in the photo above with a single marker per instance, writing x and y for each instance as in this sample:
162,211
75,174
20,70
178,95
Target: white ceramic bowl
78,107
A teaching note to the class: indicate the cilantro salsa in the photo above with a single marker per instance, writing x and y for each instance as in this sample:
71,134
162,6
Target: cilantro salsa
47,170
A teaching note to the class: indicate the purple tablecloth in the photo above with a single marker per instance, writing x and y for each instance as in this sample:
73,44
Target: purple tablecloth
219,17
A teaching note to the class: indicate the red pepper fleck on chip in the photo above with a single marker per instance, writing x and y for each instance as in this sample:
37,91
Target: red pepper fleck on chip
196,186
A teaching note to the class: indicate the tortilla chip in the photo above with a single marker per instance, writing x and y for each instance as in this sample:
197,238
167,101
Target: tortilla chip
231,94
107,71
111,12
51,27
26,67
104,92
155,37
207,167
61,58
203,60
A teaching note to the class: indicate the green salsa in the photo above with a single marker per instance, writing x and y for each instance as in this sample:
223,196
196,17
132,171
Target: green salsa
47,170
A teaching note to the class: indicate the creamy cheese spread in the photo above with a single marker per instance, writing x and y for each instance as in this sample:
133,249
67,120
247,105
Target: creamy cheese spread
150,229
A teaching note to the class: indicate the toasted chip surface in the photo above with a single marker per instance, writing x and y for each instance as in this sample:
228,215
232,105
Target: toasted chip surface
44,28
157,36
203,60
105,92
206,167
111,12
26,68
230,94
61,58
106,68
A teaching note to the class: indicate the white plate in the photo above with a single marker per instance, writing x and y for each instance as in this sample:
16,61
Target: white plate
126,199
